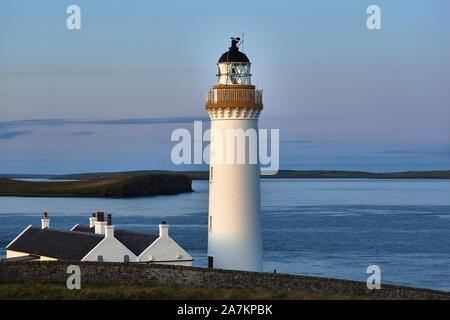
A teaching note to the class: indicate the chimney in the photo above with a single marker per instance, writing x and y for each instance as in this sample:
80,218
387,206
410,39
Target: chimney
92,221
45,223
100,223
109,229
163,229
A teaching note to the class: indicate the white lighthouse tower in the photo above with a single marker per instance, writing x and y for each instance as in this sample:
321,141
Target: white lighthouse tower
234,226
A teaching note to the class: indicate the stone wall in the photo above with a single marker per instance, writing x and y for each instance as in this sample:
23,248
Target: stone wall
108,272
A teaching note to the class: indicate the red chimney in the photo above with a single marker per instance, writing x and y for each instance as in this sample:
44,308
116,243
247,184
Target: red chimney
109,219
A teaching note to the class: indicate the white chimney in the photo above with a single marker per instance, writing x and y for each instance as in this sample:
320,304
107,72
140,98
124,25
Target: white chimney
45,223
92,221
99,227
109,229
100,223
163,229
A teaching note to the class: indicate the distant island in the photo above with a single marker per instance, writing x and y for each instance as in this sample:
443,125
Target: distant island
147,183
282,174
139,185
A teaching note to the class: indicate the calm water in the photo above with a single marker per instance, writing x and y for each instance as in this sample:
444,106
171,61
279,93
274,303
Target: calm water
328,228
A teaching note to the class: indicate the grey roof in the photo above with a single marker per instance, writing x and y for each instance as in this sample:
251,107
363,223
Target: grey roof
135,241
83,229
53,243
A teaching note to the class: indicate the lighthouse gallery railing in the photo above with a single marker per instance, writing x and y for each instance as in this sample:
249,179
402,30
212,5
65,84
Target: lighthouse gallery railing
234,95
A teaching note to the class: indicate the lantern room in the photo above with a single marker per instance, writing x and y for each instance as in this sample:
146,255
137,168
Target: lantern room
234,66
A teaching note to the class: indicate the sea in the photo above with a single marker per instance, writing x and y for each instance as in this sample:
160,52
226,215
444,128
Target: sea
333,228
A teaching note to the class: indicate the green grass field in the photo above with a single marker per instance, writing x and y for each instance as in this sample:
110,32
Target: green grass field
127,186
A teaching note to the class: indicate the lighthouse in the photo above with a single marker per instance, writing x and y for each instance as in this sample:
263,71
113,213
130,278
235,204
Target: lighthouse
234,217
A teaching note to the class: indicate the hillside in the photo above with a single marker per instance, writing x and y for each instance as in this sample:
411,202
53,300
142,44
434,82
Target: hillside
286,174
335,174
282,174
122,187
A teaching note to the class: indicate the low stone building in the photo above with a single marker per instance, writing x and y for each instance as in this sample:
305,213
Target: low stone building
97,242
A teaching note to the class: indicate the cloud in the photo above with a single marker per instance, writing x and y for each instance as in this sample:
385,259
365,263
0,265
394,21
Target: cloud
62,122
14,73
82,133
6,134
435,151
303,142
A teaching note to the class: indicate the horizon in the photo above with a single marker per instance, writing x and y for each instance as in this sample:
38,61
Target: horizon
187,171
106,98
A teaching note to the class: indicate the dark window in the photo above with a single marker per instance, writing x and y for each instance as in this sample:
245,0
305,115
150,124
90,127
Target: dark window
100,258
210,262
126,258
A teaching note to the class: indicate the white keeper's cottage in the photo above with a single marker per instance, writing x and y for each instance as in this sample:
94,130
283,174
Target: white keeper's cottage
99,241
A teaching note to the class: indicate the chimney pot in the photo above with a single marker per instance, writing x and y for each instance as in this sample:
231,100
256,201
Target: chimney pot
109,219
45,215
93,215
163,222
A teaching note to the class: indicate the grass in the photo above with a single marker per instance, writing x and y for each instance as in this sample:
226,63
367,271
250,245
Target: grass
58,291
127,186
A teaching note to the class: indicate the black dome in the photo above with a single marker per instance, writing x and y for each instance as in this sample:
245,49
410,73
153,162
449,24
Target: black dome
234,55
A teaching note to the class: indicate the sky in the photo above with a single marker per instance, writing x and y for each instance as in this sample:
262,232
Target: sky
108,96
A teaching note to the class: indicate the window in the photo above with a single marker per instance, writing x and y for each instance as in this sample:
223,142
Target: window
210,262
235,73
100,258
126,258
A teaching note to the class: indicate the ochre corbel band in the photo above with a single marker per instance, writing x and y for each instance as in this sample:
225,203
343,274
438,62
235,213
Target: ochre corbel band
234,96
